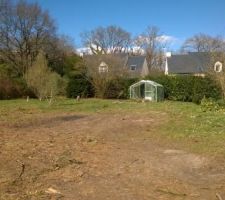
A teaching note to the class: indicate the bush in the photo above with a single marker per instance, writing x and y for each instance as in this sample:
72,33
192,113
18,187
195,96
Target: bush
115,88
119,88
205,87
79,86
221,103
13,88
188,88
44,83
209,105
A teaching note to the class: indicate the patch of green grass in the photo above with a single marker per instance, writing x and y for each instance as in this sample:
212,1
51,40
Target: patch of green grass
203,132
186,124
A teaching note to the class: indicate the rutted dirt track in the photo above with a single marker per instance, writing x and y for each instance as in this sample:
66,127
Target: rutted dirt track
101,156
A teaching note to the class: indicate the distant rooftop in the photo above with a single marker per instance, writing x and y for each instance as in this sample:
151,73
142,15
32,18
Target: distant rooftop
193,62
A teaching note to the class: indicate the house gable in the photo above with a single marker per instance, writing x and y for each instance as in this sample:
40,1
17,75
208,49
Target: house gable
137,66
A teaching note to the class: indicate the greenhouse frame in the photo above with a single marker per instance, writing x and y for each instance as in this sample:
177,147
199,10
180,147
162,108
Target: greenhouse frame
148,90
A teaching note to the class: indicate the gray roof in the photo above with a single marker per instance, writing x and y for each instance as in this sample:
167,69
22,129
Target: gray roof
195,62
127,59
138,61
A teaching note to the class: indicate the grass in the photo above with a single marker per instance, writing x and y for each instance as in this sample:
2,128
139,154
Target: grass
187,125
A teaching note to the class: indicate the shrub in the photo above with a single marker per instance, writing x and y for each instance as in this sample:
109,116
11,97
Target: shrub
44,83
209,104
114,89
119,88
221,103
79,86
13,88
205,87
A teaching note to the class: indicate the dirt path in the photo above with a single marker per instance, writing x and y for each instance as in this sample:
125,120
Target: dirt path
101,156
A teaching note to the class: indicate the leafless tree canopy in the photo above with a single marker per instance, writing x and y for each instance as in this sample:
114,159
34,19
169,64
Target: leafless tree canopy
100,81
24,30
203,43
103,40
151,42
57,49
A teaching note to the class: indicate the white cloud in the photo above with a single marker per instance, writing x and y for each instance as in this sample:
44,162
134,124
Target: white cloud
84,50
167,39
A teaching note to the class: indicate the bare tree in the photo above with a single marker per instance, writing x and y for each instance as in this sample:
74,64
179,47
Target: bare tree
203,43
59,48
24,30
152,42
103,40
101,69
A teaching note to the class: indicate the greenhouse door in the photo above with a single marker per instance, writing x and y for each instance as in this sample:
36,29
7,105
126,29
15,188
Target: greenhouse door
142,91
150,92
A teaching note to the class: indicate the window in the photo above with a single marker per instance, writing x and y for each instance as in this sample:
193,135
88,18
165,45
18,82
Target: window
133,67
103,67
218,67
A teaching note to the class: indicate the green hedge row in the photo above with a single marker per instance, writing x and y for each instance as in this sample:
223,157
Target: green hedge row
177,88
188,88
119,88
116,88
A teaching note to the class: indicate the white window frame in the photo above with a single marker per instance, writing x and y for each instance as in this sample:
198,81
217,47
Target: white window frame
135,67
218,67
103,68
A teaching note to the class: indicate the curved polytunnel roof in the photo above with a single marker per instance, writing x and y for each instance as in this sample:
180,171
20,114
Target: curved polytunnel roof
147,81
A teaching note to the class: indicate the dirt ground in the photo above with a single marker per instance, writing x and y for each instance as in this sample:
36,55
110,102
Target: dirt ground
101,156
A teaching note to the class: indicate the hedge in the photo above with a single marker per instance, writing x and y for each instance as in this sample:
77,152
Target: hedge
119,88
79,86
178,88
188,88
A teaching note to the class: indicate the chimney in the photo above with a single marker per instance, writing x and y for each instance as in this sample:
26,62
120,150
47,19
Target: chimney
168,54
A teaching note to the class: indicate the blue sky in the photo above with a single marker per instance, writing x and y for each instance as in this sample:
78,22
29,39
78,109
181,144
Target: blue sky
179,19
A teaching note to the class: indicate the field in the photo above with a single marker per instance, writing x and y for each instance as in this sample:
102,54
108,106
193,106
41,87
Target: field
110,149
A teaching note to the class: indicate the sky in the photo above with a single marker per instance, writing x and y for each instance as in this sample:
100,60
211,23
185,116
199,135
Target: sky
178,19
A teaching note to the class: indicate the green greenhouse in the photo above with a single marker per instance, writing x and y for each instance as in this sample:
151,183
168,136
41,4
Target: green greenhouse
148,90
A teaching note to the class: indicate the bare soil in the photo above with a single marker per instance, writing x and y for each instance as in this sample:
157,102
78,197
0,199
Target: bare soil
112,156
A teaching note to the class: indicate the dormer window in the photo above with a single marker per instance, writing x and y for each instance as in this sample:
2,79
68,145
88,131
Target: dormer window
218,67
103,68
133,67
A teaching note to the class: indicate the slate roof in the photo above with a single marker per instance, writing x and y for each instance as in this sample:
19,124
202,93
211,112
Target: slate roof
127,60
194,62
138,61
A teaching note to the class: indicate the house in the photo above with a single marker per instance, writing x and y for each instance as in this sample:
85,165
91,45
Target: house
135,66
192,63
